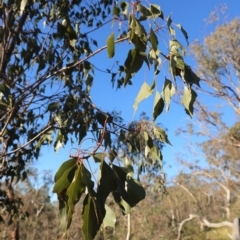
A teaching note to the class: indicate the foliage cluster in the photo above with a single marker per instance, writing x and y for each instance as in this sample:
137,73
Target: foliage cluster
46,76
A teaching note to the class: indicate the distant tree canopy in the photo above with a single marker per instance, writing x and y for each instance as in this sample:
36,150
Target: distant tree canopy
46,75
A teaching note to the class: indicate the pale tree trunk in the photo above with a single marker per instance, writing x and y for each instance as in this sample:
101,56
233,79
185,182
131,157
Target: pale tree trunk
204,222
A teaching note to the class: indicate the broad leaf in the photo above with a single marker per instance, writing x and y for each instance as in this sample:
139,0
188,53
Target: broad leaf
156,11
111,46
190,77
158,105
183,32
132,64
99,157
170,29
124,7
153,40
144,93
135,190
63,168
74,192
160,134
65,180
107,184
91,218
116,11
168,92
5,90
120,194
189,97
110,218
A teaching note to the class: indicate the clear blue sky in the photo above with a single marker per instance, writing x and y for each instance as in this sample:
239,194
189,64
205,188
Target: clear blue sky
190,14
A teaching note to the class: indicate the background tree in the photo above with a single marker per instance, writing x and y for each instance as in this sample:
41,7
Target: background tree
216,126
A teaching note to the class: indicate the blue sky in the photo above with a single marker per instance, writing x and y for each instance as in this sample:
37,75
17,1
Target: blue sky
191,15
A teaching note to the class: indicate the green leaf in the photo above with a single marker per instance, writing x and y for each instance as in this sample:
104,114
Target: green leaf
91,219
71,32
190,77
135,190
65,180
153,40
156,11
183,32
158,105
132,64
146,13
111,46
52,107
87,181
72,44
160,134
144,93
170,29
124,7
174,44
110,218
99,157
189,97
116,11
168,92
63,168
74,192
5,90
106,185
120,195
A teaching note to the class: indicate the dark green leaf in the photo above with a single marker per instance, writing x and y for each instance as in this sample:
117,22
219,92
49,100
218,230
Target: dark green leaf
183,32
135,190
153,40
106,185
107,139
190,77
116,11
189,97
146,13
87,181
5,90
170,29
91,218
65,180
74,192
158,105
156,11
132,64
